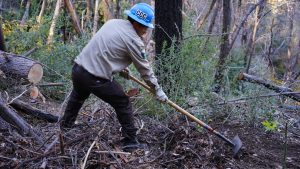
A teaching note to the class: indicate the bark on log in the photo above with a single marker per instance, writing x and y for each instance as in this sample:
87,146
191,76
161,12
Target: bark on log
18,67
18,122
276,88
28,109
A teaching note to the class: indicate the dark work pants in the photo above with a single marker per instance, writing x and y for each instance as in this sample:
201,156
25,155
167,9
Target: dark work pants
111,92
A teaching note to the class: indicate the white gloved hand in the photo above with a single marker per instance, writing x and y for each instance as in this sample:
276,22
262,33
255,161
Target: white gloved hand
160,95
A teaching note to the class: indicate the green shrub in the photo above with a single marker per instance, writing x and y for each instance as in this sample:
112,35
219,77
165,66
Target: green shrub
185,74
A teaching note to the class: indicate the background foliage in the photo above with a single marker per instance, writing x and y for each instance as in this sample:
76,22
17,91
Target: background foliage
188,75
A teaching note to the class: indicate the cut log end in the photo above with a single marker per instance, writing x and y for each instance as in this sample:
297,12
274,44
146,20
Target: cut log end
241,76
34,92
35,73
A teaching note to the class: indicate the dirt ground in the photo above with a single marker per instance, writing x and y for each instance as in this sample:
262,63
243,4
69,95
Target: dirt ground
172,143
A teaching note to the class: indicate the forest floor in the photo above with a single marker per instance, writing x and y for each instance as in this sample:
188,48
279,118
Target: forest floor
171,143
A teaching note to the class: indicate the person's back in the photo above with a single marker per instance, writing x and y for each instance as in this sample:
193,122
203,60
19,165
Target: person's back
109,50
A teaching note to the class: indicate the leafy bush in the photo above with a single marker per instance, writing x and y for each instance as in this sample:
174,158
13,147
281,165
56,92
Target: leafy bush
185,74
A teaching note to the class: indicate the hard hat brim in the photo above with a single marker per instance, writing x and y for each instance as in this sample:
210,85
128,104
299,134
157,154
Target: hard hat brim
128,13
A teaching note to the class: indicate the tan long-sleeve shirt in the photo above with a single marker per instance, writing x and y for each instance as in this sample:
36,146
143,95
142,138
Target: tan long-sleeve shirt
114,47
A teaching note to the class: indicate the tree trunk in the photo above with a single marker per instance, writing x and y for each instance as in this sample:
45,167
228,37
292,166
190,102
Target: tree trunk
19,67
288,61
118,8
71,10
269,52
249,51
39,20
168,21
241,25
26,13
88,15
211,25
96,17
54,20
28,109
2,42
276,88
224,47
107,9
201,22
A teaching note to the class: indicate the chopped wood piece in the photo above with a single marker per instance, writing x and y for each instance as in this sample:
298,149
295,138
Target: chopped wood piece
19,67
34,92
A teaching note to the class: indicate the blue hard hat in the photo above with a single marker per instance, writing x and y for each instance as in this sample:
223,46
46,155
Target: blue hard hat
142,13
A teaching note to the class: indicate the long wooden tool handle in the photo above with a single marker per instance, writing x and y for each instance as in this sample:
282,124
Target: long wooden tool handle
181,110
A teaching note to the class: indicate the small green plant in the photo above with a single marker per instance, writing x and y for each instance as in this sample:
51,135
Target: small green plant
270,125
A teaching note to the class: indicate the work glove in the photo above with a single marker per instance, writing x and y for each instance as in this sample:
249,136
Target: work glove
160,95
125,73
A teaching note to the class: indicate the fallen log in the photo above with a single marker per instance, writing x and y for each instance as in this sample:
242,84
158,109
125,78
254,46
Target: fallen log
290,107
17,122
28,109
18,67
278,89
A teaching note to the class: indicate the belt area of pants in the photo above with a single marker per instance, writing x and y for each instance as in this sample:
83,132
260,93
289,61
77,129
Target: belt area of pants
82,69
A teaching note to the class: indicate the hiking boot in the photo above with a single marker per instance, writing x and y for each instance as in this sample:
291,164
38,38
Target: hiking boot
130,145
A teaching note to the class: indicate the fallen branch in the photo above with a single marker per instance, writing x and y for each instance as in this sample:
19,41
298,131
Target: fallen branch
50,84
18,122
255,97
113,152
28,109
29,52
290,107
276,88
33,152
18,96
52,144
89,151
61,143
206,34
